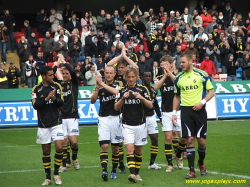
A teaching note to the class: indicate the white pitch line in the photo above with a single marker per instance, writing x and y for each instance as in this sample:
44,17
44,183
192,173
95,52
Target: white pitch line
88,167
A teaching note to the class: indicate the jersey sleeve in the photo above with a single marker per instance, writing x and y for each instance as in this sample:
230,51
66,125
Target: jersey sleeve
59,95
37,102
119,95
206,82
146,94
177,89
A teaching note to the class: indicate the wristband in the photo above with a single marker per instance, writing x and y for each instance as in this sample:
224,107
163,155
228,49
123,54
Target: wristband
203,101
174,112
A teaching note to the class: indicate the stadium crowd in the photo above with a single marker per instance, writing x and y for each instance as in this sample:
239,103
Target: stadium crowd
218,40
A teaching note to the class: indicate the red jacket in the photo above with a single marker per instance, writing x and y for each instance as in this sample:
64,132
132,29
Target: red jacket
170,29
183,46
208,66
206,19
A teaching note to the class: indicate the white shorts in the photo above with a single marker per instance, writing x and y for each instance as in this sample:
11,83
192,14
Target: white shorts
70,127
167,124
152,127
109,128
48,135
136,135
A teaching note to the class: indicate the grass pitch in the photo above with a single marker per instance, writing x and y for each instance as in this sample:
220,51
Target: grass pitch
227,160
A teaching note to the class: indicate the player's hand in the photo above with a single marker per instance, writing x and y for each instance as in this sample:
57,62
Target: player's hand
53,94
124,49
165,72
126,94
174,120
198,106
98,79
138,95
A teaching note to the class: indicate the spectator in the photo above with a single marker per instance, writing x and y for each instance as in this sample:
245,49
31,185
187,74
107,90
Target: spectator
161,12
88,41
184,45
85,67
206,18
100,19
115,32
149,61
196,16
152,25
124,34
200,6
94,48
144,18
139,26
177,57
188,18
42,20
192,50
74,49
79,74
3,41
170,27
24,53
10,23
67,14
61,47
122,12
195,61
100,65
86,21
34,44
40,62
239,49
72,37
105,57
231,66
156,71
28,30
90,76
225,50
108,24
135,12
200,46
140,51
85,33
203,35
3,77
165,50
214,54
228,12
117,19
172,18
47,47
31,71
232,40
232,28
196,26
143,67
171,44
177,29
208,66
179,37
246,67
106,43
61,33
213,10
130,24
55,19
65,31
73,23
156,55
189,35
210,26
118,43
183,24
221,7
13,73
221,20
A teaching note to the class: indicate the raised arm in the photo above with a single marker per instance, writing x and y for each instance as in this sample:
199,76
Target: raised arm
94,96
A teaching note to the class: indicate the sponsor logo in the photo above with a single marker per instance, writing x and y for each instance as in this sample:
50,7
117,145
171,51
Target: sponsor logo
65,94
146,95
156,128
58,91
167,89
189,87
59,134
118,137
105,99
194,81
144,139
33,96
117,95
132,101
75,130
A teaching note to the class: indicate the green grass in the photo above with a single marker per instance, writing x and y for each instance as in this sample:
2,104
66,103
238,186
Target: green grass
227,152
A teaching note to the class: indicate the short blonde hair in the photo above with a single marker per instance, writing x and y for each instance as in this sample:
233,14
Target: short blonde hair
131,68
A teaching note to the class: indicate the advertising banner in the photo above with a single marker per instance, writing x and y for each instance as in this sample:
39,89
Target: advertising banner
233,105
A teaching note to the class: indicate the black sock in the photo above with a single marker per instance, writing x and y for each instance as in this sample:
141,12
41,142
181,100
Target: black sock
74,152
180,149
47,166
131,163
57,162
202,154
154,152
168,153
104,160
191,158
175,144
68,154
115,161
65,153
138,161
121,157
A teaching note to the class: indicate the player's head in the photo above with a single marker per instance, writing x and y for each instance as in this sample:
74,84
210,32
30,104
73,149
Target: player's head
65,74
166,62
186,62
109,73
131,75
47,74
147,77
122,64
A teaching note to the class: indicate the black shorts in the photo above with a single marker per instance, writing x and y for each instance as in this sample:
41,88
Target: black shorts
193,123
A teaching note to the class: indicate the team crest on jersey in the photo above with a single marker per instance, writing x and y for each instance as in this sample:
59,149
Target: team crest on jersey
58,91
153,95
146,95
33,96
42,96
59,134
194,81
103,93
68,86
